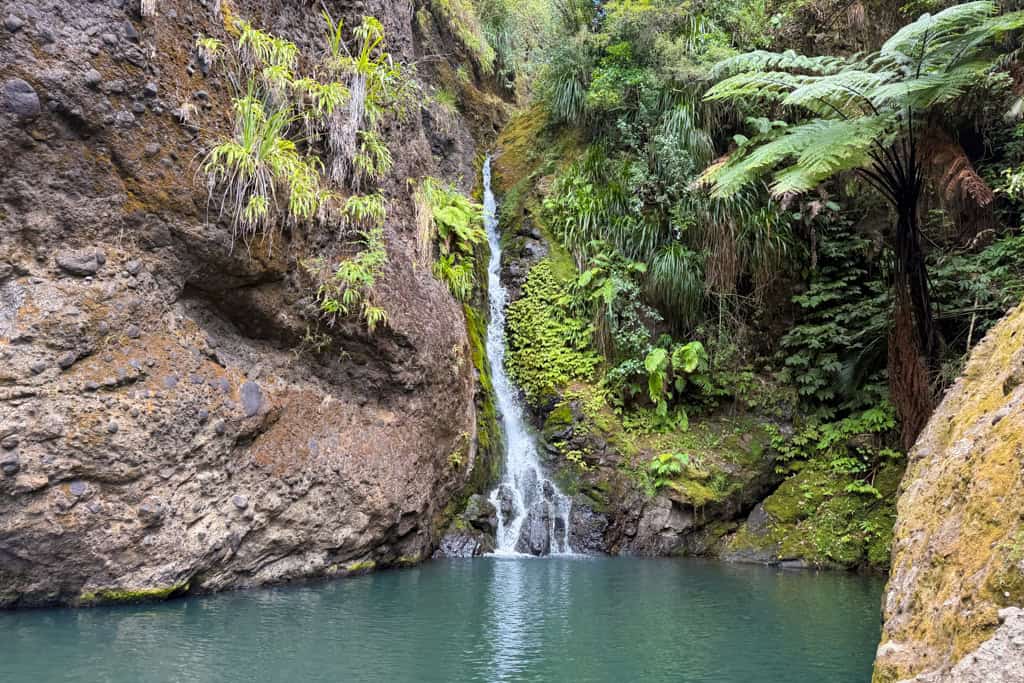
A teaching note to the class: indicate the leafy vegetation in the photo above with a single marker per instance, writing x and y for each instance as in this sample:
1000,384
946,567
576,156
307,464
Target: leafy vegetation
547,345
307,146
448,218
873,115
816,239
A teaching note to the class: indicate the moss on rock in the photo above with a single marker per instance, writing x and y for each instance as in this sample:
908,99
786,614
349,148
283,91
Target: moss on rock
958,553
105,596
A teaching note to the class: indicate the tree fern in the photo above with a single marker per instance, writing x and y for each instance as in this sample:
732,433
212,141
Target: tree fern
867,115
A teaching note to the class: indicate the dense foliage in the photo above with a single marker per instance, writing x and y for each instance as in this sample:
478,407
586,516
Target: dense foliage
750,226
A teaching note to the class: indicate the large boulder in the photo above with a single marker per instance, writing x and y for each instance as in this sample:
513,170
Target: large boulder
958,553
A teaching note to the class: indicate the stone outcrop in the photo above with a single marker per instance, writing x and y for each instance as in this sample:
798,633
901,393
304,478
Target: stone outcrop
958,556
172,415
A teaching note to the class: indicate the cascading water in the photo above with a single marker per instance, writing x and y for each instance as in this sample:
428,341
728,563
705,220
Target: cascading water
533,515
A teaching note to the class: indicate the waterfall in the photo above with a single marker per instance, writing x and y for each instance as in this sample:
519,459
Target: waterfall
533,515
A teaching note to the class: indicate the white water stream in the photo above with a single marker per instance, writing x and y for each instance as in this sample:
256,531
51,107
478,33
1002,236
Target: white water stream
533,515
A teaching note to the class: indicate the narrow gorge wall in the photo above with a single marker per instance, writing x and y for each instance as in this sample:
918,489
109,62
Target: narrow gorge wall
953,606
164,423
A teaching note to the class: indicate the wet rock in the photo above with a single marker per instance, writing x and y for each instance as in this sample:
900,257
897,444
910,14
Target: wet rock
80,263
20,98
462,545
535,537
481,513
587,529
252,399
506,501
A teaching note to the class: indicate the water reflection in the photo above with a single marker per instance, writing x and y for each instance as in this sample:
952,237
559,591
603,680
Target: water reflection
491,620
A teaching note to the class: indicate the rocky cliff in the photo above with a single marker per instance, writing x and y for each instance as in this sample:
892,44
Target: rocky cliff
952,610
172,415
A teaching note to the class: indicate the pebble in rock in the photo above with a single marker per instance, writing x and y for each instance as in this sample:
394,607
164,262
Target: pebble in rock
80,263
13,23
67,360
133,332
252,398
135,267
109,38
10,463
171,381
240,502
93,78
38,367
20,98
10,442
150,89
203,414
150,512
78,488
112,428
220,428
130,32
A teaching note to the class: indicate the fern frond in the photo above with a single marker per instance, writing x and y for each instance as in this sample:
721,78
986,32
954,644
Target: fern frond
809,154
847,93
762,61
760,84
931,32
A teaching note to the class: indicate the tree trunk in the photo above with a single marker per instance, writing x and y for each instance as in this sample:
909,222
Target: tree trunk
913,347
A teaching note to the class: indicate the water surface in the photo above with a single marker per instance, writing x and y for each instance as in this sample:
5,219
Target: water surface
495,619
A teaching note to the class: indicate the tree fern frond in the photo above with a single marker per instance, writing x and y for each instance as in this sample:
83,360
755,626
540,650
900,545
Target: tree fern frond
762,60
809,154
763,84
933,31
847,93
933,88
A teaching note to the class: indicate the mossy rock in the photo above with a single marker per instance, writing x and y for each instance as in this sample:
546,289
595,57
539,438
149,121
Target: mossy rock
106,596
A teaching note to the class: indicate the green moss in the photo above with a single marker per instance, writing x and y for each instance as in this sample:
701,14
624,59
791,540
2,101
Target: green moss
547,344
488,432
360,567
408,560
131,595
558,419
812,517
460,18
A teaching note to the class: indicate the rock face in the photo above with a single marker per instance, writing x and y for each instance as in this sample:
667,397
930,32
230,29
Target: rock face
166,421
958,555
